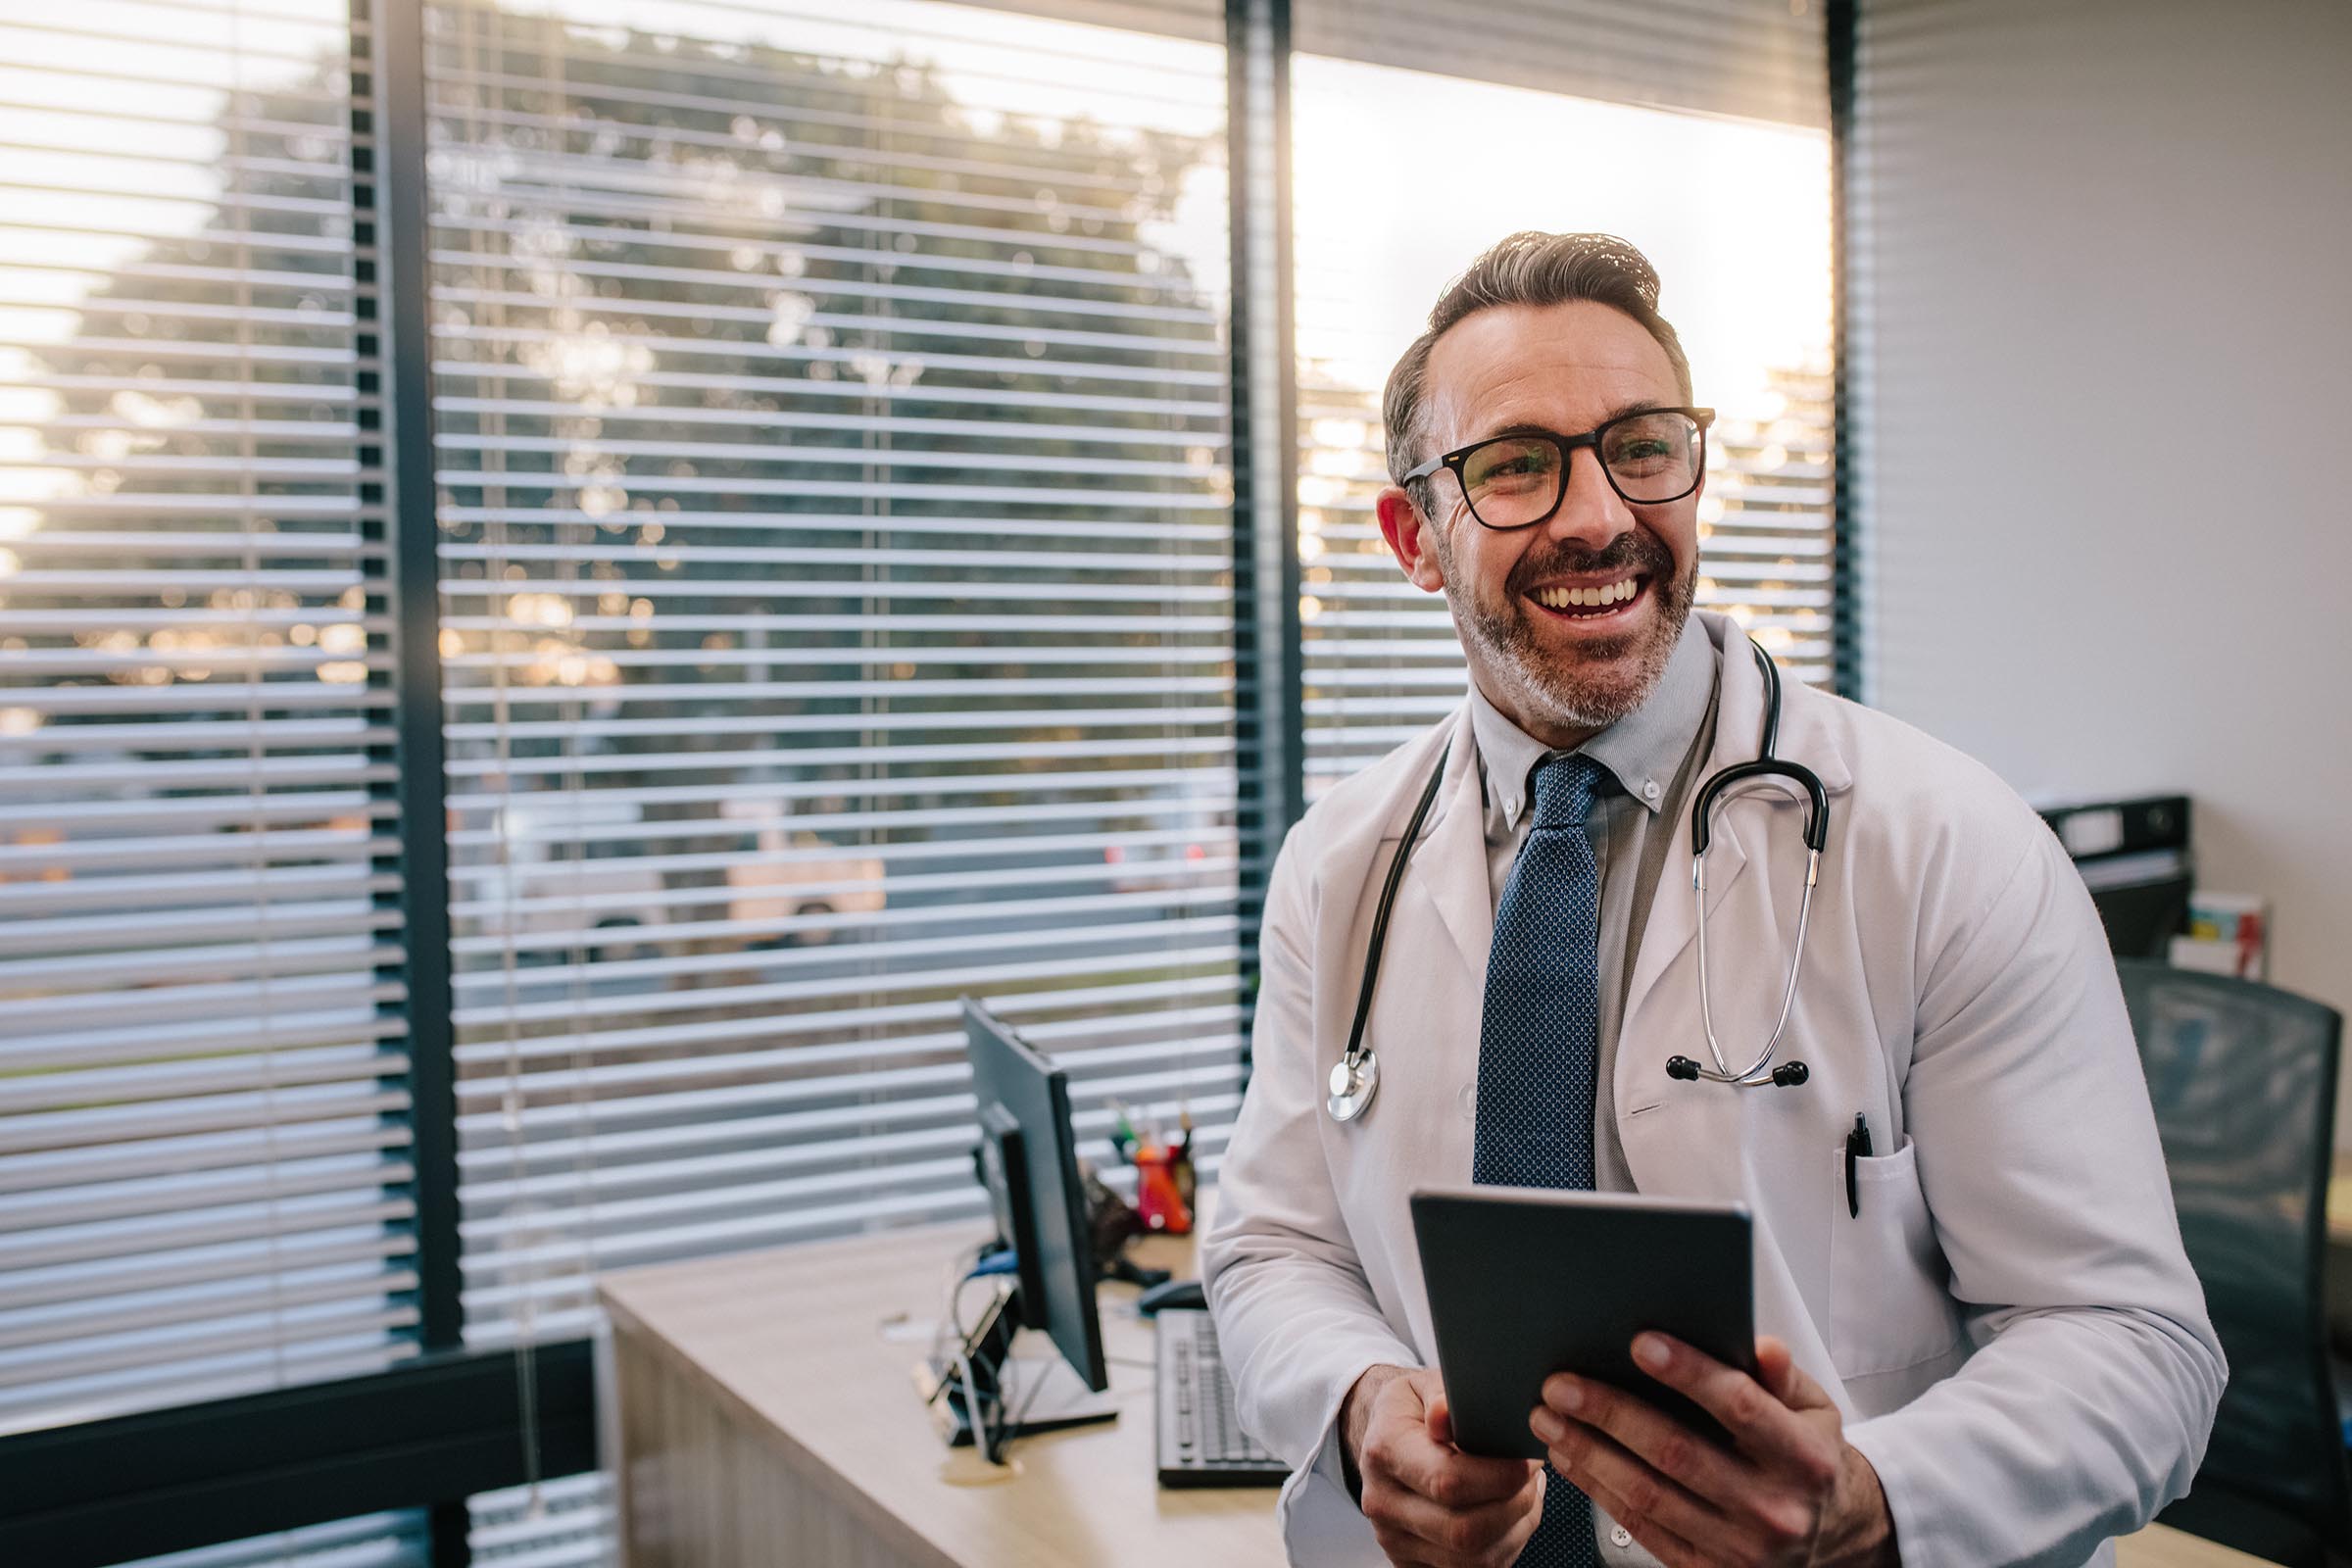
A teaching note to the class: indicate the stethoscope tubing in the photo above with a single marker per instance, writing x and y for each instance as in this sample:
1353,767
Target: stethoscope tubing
1756,1072
1766,768
1355,1077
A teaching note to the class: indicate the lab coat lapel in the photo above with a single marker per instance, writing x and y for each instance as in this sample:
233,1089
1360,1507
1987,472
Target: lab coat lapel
1673,925
1448,875
1673,911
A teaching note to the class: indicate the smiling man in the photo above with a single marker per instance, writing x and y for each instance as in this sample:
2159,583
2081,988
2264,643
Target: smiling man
1984,1344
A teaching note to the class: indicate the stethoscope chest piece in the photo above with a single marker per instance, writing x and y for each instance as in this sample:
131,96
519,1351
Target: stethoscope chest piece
1355,1080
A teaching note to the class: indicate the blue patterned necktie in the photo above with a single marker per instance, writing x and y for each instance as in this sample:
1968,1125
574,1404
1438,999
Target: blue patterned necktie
1539,1053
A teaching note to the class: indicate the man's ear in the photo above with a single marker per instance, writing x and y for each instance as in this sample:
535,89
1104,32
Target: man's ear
1410,538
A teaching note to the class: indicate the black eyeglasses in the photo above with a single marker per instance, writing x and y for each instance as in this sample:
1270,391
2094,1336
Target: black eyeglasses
1516,481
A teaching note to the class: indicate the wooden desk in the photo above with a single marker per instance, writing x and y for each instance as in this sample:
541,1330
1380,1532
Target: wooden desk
768,1416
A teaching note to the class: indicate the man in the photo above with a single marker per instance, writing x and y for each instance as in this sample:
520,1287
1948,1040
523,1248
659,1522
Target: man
1989,1350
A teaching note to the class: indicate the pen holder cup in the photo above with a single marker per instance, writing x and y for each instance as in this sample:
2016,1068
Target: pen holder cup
1163,1180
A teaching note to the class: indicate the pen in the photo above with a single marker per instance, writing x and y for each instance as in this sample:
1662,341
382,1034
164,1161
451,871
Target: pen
1857,1147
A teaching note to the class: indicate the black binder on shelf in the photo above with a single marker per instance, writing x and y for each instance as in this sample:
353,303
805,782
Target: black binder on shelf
2134,857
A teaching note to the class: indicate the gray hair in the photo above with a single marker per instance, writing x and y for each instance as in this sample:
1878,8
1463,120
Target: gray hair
1528,267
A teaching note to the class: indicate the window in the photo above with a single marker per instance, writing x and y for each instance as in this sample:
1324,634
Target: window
838,610
1707,148
202,1060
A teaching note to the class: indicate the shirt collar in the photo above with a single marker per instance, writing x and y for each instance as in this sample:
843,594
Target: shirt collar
1640,750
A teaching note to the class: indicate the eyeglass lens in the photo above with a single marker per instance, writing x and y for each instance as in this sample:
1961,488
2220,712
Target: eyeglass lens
1518,481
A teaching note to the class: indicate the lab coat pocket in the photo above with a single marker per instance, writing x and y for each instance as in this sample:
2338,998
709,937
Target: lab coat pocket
1888,1275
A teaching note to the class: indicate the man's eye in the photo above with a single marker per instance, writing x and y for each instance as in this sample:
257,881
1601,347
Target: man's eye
1513,463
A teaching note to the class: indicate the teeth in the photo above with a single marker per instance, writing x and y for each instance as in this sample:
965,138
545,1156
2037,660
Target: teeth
1616,593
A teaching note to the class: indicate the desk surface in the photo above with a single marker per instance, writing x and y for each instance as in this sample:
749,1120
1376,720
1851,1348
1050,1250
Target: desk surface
810,1350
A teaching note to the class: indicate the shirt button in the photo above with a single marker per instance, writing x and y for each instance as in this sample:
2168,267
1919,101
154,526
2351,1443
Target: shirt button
1622,1537
1649,789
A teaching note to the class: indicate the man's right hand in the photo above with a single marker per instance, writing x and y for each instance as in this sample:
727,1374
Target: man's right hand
1432,1506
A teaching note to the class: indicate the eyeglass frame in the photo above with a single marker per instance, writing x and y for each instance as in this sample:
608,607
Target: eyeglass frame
1567,446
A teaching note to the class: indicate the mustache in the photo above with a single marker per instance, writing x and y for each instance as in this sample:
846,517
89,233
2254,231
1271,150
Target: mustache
1634,552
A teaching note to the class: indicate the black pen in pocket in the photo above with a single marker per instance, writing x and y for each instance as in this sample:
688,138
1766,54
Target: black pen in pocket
1857,1147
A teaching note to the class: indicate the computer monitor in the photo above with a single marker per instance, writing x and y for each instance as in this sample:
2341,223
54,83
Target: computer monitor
1029,1164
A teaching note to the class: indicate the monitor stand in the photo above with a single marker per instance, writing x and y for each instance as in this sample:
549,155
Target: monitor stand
1016,1396
1037,1395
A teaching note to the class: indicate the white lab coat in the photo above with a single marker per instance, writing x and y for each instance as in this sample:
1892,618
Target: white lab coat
2010,1326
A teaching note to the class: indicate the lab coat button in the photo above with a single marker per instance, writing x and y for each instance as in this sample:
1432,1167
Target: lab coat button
1467,1101
1620,1536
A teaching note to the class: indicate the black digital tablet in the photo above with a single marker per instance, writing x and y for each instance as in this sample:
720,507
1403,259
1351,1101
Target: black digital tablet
1525,1282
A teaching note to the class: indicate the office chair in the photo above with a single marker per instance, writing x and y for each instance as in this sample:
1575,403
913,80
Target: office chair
2243,1080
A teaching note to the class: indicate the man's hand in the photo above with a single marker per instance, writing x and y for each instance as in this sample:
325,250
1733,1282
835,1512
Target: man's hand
1432,1506
1790,1491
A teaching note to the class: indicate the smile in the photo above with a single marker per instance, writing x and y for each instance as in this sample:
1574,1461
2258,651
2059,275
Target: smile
1595,600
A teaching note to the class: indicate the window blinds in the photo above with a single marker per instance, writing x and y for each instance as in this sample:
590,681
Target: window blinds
373,1540
1697,129
1748,59
202,1143
837,611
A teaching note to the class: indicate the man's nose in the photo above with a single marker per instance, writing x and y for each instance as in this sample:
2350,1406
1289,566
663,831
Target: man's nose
1591,513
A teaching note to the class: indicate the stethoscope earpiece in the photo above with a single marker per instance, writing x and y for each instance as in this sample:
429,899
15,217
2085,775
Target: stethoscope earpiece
1787,1075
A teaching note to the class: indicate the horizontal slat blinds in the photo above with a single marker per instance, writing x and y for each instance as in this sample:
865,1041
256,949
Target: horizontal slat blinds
202,1158
374,1540
837,611
1753,59
1733,215
1197,21
563,1523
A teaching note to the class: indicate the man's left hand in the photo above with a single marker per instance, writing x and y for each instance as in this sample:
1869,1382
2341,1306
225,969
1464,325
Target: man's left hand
1789,1491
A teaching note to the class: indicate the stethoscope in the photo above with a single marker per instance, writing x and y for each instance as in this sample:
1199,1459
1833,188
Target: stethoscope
1356,1076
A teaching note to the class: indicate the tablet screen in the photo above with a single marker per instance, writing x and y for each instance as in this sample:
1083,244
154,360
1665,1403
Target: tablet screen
1525,1282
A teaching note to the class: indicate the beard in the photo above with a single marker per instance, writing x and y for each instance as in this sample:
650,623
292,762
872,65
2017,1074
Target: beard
1592,687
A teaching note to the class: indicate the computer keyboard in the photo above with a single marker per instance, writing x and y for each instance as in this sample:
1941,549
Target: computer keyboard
1200,1444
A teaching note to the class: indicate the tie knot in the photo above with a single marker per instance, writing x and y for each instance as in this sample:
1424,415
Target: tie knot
1563,790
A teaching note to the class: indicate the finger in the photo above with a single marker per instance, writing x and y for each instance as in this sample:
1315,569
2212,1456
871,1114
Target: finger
1763,1426
1401,1549
1588,1459
1784,1380
1440,1418
1444,1475
1513,1543
1663,1444
1431,1530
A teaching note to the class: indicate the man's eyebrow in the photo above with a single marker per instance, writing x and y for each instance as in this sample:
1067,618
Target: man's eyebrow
1530,428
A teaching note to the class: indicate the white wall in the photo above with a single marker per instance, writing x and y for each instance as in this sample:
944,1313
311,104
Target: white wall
2104,276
